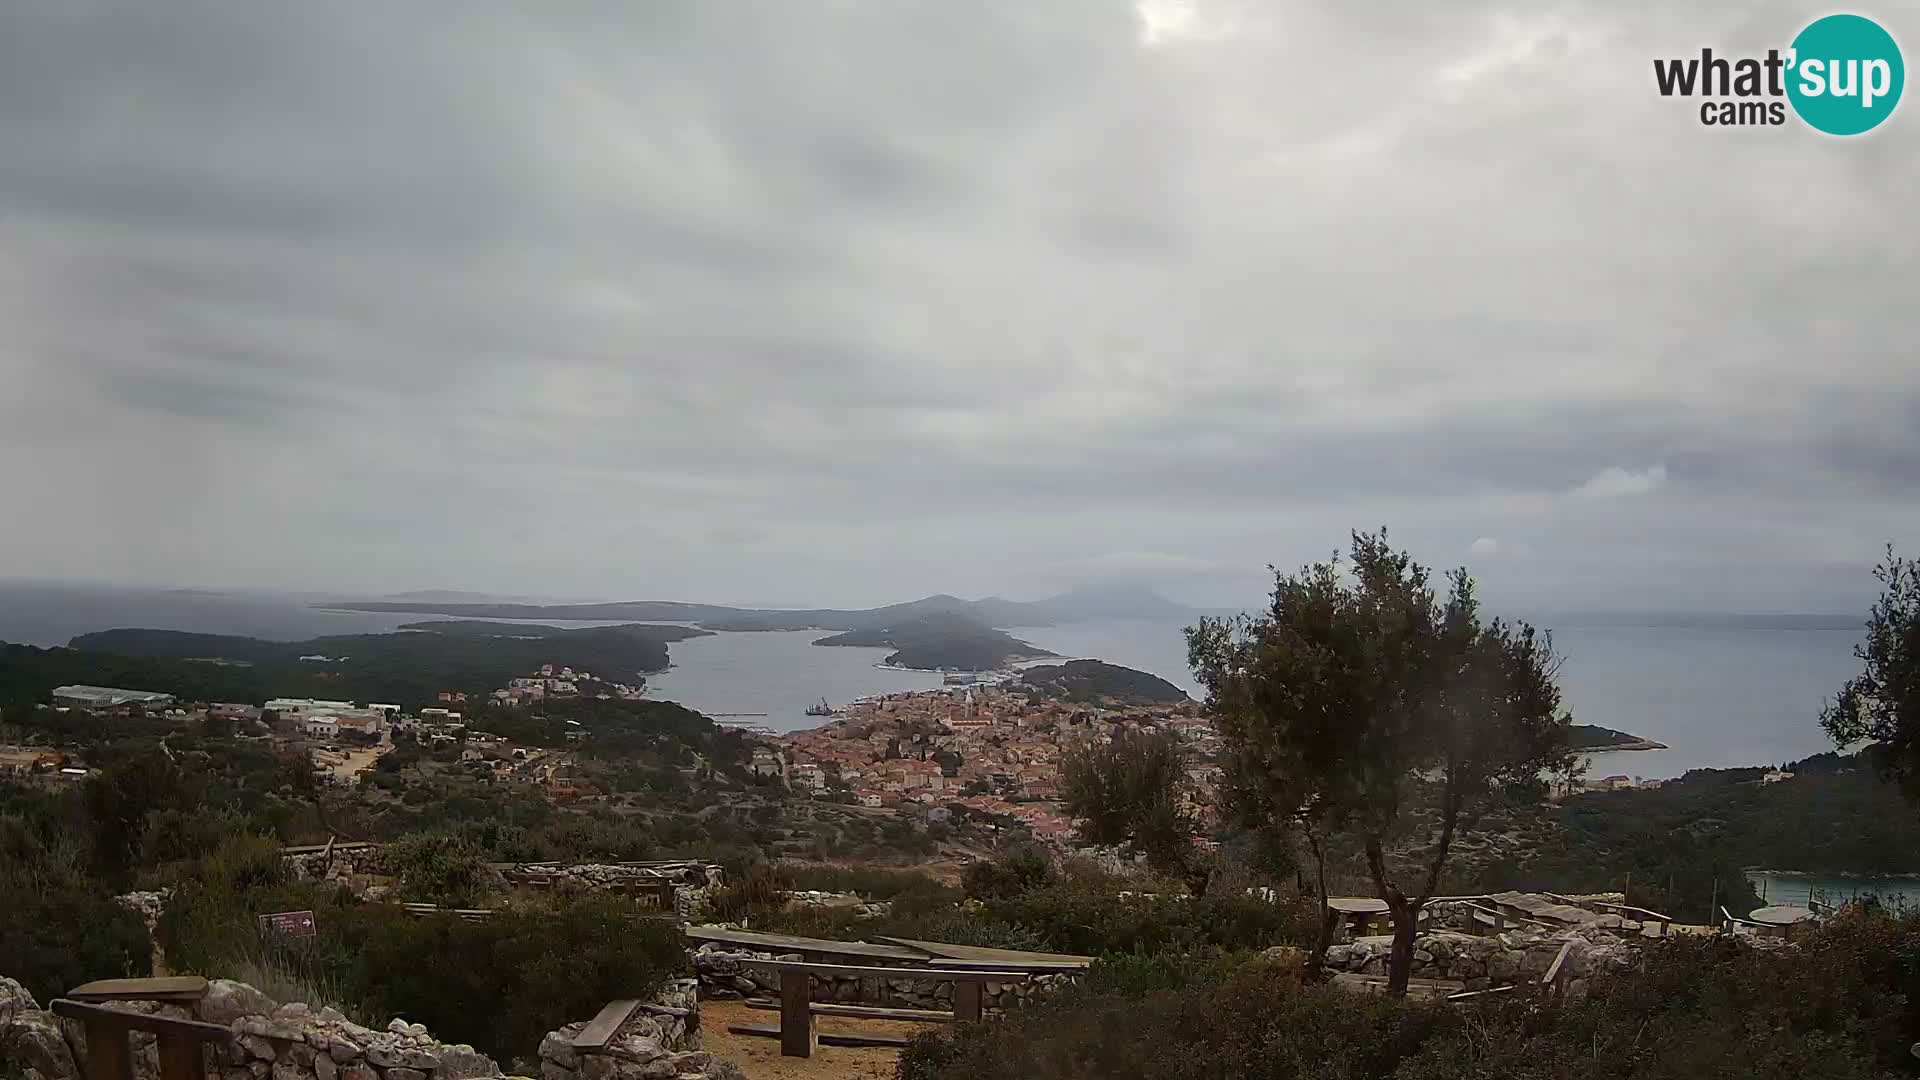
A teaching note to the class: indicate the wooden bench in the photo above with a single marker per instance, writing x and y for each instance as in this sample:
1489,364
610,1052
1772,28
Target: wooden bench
797,1033
182,1043
175,989
862,1012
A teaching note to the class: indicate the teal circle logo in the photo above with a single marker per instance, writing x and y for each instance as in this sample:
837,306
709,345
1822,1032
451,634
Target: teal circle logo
1846,74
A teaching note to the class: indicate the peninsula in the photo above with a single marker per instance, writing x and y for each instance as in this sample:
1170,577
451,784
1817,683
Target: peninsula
942,642
1591,739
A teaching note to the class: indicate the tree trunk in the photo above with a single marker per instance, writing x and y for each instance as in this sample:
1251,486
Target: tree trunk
1318,960
1406,924
1406,917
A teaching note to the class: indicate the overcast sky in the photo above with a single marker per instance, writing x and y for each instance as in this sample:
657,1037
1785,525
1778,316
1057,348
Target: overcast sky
841,303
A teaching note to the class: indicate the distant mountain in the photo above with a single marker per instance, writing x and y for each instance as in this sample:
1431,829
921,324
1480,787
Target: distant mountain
1077,605
941,641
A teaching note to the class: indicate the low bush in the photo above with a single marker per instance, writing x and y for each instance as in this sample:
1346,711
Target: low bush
1841,1005
499,983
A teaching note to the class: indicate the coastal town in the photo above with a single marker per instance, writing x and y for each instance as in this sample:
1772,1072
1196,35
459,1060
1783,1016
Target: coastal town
993,749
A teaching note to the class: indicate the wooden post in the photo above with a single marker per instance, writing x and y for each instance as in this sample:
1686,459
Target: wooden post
797,1036
181,1057
967,998
108,1057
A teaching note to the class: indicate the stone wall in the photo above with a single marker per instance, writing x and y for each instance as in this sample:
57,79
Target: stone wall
361,868
297,1042
1485,962
691,883
660,1040
723,975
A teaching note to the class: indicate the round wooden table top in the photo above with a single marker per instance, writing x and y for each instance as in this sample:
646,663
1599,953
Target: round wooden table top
1357,905
1782,915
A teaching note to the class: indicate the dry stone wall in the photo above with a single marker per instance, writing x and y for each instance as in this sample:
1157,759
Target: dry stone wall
660,1041
1482,963
298,1042
724,974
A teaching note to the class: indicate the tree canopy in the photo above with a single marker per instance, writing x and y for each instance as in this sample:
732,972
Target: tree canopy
1881,705
1132,792
1359,680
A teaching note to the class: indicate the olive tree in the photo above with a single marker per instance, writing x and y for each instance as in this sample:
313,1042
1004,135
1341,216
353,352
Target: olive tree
1881,705
1131,791
1360,689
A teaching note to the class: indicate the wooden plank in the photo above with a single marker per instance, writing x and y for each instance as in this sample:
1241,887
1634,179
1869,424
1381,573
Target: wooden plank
182,1057
168,988
826,1038
984,954
600,1029
108,1056
132,1021
1467,995
967,1000
858,972
793,943
798,1036
863,1012
1030,967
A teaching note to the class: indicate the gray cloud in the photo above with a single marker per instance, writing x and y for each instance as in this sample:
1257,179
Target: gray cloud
750,300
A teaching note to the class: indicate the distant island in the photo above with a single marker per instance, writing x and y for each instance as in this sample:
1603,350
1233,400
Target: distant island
1077,605
1094,682
408,667
942,642
1589,738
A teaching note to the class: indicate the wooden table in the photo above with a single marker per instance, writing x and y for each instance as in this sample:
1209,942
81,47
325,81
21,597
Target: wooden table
796,1032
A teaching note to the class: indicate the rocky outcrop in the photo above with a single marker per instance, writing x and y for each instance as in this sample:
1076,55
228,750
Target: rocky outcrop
660,1041
32,1039
723,974
1482,963
296,1041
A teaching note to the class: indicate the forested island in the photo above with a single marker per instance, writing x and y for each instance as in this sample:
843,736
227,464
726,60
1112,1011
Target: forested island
1094,682
942,642
408,667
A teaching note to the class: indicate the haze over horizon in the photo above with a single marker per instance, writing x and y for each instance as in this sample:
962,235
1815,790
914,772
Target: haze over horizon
769,306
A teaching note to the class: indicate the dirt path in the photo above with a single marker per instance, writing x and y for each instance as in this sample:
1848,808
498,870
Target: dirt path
760,1058
358,761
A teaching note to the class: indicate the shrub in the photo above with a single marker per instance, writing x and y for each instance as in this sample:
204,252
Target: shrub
499,983
1257,1023
502,983
58,929
1835,1007
1018,872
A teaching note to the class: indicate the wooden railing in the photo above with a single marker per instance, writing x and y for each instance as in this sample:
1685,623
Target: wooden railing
797,1033
182,1043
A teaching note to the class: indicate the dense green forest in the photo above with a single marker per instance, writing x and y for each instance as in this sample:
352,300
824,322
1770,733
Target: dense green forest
406,668
1092,682
1677,840
942,642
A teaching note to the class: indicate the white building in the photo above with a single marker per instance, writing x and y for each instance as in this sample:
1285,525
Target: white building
81,696
296,708
321,727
